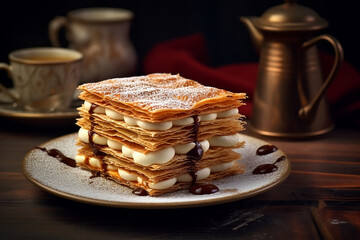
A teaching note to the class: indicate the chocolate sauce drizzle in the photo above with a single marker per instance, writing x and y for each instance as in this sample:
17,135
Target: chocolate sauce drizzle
58,155
193,156
268,167
92,108
280,159
94,147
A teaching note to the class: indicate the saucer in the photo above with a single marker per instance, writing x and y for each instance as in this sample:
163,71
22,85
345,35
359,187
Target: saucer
8,110
11,111
67,117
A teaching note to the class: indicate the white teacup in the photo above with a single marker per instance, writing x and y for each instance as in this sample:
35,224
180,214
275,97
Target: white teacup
44,78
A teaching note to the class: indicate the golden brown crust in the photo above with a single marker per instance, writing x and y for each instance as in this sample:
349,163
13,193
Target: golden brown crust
159,97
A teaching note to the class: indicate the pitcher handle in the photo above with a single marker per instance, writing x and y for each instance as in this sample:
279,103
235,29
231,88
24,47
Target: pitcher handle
7,68
307,112
54,27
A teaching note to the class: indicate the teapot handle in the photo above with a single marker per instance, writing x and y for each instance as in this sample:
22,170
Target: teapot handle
54,27
307,112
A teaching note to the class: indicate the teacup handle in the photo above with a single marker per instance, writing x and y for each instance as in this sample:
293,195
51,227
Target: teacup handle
54,27
3,89
307,112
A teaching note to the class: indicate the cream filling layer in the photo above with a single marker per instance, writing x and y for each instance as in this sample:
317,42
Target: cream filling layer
184,178
160,126
163,155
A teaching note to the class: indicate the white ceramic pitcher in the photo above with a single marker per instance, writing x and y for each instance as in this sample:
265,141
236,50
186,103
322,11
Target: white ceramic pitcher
102,35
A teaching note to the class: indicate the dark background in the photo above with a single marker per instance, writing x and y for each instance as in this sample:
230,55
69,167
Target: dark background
24,24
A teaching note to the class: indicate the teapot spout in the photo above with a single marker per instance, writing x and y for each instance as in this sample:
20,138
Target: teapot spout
256,35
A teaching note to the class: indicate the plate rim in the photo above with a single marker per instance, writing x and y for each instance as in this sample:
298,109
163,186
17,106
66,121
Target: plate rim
154,205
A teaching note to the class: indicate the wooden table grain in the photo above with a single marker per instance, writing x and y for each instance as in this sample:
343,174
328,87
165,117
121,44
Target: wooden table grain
319,200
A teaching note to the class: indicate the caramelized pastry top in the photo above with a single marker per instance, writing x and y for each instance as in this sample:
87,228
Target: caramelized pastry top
160,92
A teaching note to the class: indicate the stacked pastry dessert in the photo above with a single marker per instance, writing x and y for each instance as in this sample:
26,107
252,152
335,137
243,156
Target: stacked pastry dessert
159,133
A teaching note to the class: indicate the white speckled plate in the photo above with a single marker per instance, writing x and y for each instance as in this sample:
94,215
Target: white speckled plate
74,183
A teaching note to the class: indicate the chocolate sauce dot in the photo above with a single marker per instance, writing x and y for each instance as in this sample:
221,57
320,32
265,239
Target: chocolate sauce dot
140,192
266,149
265,168
201,188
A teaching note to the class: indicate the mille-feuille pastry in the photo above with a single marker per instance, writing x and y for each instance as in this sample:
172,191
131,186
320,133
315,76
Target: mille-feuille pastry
159,133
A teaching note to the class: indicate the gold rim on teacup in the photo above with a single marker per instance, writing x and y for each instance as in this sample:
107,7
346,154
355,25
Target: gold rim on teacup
45,55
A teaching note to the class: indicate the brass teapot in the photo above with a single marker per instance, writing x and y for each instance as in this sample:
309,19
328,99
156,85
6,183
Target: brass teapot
289,95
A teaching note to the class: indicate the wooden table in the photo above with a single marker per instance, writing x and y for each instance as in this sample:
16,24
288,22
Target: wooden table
319,200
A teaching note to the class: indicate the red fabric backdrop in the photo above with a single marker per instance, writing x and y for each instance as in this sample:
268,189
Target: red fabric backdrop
188,56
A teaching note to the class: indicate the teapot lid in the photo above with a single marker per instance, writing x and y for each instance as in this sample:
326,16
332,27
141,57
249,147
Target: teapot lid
290,16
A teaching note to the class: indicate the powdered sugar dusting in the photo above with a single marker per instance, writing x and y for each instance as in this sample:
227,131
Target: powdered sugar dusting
155,91
75,183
